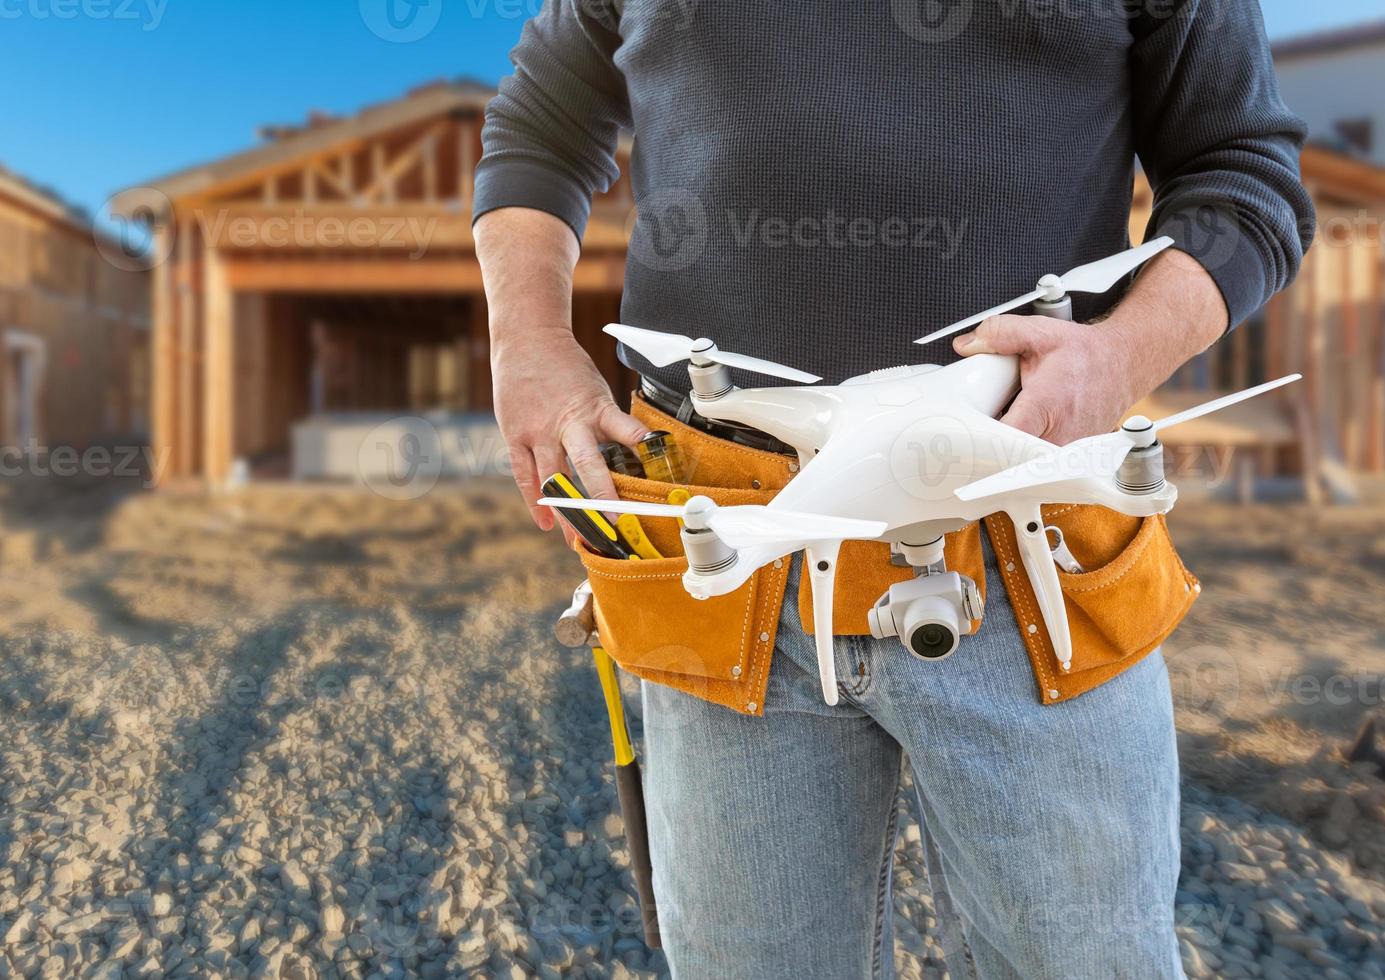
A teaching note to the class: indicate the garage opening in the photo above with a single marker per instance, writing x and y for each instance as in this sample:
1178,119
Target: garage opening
313,371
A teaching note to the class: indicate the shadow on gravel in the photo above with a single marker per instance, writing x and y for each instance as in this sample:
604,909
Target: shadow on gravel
558,737
62,515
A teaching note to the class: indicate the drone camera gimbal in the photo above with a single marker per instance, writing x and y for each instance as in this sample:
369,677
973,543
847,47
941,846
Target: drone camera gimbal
931,612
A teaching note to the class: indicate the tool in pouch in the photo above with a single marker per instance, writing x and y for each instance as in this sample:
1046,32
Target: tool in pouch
1062,557
591,526
576,627
661,457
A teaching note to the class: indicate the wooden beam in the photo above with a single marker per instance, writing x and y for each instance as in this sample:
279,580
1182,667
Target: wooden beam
480,395
218,372
1346,356
346,273
466,156
1375,404
384,186
355,275
163,352
337,181
285,155
430,171
184,458
378,165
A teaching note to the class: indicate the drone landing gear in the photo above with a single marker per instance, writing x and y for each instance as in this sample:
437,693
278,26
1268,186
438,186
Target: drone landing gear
1037,558
821,559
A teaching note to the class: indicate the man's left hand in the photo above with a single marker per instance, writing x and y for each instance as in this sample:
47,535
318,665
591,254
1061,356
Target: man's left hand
1080,379
1077,379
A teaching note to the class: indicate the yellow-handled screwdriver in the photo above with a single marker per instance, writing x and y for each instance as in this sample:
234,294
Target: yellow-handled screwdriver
633,532
679,497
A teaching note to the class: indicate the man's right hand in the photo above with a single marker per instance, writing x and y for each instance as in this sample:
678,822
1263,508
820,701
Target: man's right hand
550,399
551,402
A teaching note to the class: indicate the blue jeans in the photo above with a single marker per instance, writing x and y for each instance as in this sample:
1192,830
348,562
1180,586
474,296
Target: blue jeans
1050,833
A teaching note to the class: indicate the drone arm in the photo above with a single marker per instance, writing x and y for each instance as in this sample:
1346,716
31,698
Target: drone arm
821,559
797,416
1043,576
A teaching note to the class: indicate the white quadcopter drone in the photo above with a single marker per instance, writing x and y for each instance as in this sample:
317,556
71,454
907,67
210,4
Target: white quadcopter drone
905,455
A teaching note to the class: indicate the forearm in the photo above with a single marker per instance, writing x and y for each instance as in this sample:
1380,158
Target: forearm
527,258
553,406
1173,312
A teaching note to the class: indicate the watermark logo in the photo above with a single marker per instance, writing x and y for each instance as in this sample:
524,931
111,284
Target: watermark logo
1210,232
132,241
393,910
401,21
668,230
1205,679
933,456
831,230
302,229
130,462
401,459
932,21
149,14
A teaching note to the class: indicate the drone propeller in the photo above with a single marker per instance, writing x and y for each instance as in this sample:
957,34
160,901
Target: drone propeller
1094,277
741,525
664,349
1100,456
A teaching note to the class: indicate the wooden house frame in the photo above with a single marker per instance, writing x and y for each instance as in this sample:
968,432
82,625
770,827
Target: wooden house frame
74,328
1329,325
361,223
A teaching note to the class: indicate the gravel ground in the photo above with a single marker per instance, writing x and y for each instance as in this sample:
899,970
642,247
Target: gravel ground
313,733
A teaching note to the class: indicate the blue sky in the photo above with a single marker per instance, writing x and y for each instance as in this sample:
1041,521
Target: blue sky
103,94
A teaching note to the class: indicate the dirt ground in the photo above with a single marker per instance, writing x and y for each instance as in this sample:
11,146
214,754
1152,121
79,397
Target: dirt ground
1281,661
124,612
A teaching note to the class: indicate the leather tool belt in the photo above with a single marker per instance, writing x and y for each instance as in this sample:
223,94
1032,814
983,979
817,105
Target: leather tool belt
1134,591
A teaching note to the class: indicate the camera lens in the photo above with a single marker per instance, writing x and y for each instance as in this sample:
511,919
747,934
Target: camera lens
932,641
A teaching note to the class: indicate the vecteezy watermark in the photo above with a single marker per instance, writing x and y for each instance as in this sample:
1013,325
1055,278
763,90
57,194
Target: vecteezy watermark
1286,686
1204,679
832,230
934,456
1211,232
940,21
401,21
304,229
667,230
405,457
401,459
133,241
1339,230
138,237
932,21
148,13
66,462
670,229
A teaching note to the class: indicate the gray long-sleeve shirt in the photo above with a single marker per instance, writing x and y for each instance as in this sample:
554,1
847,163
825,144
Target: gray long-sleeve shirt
822,182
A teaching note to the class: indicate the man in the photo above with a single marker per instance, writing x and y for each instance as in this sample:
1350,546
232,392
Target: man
780,149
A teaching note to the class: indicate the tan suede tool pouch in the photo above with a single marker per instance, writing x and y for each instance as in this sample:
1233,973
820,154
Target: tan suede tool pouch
1133,593
717,649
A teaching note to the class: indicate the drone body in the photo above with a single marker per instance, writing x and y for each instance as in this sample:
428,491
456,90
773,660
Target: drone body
905,455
